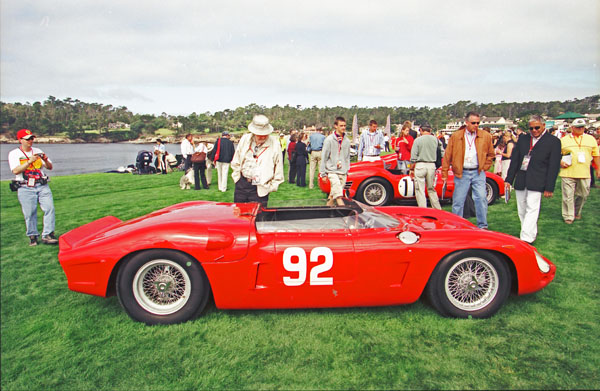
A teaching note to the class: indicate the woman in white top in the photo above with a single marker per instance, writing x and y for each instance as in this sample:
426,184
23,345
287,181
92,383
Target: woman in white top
160,151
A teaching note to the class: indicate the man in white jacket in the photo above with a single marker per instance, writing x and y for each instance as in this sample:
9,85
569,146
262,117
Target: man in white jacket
257,163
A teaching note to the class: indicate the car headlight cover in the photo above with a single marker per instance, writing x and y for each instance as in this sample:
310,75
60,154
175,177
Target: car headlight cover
542,264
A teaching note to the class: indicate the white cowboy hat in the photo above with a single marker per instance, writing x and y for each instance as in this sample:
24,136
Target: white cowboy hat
260,125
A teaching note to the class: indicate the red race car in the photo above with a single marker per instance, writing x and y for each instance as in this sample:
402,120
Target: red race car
164,266
378,183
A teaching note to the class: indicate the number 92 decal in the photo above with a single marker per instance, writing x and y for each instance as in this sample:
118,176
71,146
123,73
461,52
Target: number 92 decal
294,260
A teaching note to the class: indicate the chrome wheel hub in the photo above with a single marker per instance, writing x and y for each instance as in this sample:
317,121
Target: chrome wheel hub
471,284
161,287
374,194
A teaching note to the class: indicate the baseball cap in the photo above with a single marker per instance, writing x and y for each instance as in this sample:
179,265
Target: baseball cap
578,123
25,133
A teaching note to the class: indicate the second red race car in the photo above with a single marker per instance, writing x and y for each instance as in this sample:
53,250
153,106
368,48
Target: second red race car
379,183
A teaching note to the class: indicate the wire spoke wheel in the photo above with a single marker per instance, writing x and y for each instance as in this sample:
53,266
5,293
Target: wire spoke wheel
161,287
375,193
489,193
471,284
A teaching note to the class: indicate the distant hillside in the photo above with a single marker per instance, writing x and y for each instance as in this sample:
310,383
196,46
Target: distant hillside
75,119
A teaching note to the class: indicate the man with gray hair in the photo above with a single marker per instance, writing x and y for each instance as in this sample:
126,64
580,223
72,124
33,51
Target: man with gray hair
423,155
534,166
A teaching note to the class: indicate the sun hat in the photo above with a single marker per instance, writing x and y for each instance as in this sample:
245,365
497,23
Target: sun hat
260,125
25,133
578,123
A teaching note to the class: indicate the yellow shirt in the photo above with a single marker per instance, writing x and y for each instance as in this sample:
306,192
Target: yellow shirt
580,148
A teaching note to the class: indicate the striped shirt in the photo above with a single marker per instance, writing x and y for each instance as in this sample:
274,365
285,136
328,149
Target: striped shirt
367,144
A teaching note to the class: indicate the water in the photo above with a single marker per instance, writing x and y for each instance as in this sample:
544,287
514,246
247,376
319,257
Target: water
71,159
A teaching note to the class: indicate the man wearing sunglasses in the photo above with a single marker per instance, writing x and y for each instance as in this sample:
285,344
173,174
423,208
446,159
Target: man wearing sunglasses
470,153
579,150
534,166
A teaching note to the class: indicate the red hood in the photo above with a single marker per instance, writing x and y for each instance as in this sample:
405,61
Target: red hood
425,219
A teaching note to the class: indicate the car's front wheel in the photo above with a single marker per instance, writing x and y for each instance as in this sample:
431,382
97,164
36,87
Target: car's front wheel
162,287
469,283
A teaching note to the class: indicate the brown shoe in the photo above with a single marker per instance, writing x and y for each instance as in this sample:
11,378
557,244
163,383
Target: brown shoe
578,217
569,221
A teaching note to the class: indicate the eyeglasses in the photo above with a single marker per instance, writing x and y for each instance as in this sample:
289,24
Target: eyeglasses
474,123
535,127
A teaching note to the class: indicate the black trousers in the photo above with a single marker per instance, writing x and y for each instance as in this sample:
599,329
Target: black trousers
247,192
301,172
187,163
292,171
200,175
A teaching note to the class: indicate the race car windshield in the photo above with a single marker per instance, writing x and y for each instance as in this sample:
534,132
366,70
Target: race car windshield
353,216
370,218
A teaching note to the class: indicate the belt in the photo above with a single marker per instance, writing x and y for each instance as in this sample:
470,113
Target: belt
470,169
316,150
371,155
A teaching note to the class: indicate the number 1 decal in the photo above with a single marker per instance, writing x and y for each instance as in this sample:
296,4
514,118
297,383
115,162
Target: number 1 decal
300,266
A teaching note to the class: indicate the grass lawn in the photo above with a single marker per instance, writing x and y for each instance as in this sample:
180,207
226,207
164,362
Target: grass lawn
165,132
55,339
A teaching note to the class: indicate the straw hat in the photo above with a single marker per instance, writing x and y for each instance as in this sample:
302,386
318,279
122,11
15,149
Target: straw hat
260,125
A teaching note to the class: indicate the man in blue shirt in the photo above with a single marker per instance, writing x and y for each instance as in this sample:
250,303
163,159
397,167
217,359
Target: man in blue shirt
371,143
316,145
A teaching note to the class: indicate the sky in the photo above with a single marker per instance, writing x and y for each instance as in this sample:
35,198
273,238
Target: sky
198,56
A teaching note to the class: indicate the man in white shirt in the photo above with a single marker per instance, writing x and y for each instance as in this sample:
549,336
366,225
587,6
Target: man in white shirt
187,150
371,143
26,163
257,164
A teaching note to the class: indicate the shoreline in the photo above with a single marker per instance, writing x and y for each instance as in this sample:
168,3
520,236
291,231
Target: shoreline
103,140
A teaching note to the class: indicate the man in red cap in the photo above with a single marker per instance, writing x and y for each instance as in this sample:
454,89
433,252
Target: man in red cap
26,162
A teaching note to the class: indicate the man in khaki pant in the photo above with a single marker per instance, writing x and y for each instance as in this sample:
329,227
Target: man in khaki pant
316,145
423,154
336,161
578,150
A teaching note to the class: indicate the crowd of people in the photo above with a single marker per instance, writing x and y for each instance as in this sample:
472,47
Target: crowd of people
529,161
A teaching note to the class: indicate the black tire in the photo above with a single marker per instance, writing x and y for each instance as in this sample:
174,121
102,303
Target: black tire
491,191
375,192
162,287
469,283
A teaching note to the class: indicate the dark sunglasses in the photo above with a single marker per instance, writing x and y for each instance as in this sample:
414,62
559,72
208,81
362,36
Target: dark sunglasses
474,123
535,127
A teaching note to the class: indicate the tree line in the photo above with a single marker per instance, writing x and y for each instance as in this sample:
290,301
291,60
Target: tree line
72,117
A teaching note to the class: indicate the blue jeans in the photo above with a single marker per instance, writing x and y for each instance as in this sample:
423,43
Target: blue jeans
475,181
29,198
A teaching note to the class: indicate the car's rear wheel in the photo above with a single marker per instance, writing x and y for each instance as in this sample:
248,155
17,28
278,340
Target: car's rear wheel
491,191
469,283
162,287
375,192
